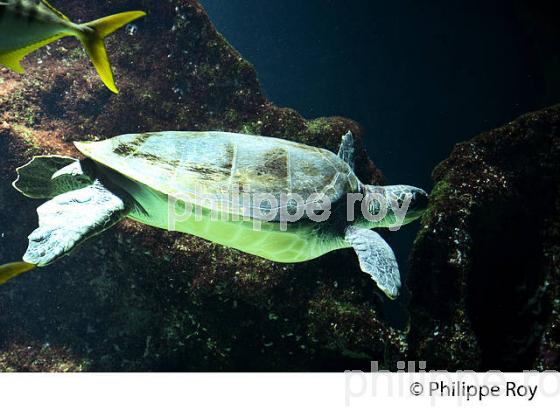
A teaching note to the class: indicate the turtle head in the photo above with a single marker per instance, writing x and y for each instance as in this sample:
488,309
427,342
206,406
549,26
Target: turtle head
408,198
394,205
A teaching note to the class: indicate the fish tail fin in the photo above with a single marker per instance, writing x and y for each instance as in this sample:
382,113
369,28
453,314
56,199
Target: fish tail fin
11,270
12,61
94,45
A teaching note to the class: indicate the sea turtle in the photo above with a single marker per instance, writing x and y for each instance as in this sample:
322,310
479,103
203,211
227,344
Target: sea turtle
281,200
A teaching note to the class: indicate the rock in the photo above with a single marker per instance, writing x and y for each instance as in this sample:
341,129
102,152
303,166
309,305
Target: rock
138,298
37,358
485,267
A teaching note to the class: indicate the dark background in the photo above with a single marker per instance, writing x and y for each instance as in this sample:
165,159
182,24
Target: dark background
419,76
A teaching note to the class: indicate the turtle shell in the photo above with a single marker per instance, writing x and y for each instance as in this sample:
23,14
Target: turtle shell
235,173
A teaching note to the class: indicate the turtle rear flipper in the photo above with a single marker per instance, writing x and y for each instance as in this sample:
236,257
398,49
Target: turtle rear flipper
71,218
45,177
376,258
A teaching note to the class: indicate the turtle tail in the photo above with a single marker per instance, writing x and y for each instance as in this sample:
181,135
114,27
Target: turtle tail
47,176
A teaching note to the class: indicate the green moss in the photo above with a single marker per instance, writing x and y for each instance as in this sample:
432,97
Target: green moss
441,191
27,137
319,126
345,308
40,358
74,54
21,110
252,128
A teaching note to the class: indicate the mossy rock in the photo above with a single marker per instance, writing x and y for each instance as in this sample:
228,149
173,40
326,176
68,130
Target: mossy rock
485,270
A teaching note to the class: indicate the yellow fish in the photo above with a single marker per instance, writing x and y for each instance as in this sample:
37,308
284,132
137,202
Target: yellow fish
27,25
11,270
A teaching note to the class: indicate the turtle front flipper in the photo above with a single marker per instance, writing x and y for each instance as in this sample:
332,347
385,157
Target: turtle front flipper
69,219
376,258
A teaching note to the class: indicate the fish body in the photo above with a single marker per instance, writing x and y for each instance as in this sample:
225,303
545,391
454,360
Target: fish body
26,22
27,25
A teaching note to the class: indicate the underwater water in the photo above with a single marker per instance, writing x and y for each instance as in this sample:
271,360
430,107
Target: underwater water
410,80
417,77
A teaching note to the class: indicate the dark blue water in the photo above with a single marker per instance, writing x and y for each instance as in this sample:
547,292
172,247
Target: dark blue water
418,76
